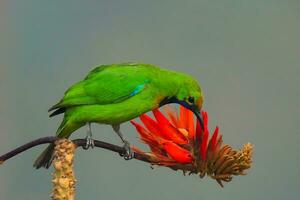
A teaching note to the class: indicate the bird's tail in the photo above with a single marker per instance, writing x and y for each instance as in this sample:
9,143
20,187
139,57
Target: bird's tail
45,158
64,131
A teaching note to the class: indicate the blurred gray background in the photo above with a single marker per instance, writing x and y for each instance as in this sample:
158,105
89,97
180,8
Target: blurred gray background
245,54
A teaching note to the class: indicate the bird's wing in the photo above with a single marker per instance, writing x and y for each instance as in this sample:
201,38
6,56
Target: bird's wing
106,85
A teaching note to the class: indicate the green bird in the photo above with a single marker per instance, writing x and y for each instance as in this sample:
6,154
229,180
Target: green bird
114,94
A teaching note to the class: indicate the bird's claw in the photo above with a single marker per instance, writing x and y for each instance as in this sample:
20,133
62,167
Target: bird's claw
89,143
128,155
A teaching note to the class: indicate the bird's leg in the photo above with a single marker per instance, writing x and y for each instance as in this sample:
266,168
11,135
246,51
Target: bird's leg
128,154
89,137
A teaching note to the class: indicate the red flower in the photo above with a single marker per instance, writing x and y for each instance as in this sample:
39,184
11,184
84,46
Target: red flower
178,142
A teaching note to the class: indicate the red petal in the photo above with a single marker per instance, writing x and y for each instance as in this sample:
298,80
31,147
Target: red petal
198,128
204,138
168,130
213,139
187,121
205,120
203,146
151,140
191,124
144,134
152,126
172,115
160,118
163,131
173,134
199,134
140,129
183,118
178,153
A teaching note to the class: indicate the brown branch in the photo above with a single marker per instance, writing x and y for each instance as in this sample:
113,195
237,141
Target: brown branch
78,142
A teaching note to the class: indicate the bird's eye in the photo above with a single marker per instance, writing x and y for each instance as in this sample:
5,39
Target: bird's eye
191,100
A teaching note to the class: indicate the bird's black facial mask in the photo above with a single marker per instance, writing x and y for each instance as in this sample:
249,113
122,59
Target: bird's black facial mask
192,108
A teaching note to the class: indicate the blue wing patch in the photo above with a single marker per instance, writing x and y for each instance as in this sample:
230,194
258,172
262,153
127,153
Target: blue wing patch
137,90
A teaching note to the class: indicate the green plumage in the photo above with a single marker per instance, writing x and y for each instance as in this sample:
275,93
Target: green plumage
113,94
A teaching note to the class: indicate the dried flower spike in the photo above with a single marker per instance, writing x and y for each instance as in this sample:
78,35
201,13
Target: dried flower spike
177,142
63,178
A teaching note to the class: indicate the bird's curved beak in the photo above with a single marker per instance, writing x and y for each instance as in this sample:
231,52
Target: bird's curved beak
195,109
199,117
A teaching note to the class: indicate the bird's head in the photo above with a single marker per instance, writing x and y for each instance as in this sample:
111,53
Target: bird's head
189,95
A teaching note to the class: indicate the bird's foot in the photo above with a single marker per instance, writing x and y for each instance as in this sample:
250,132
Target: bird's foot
128,152
89,143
